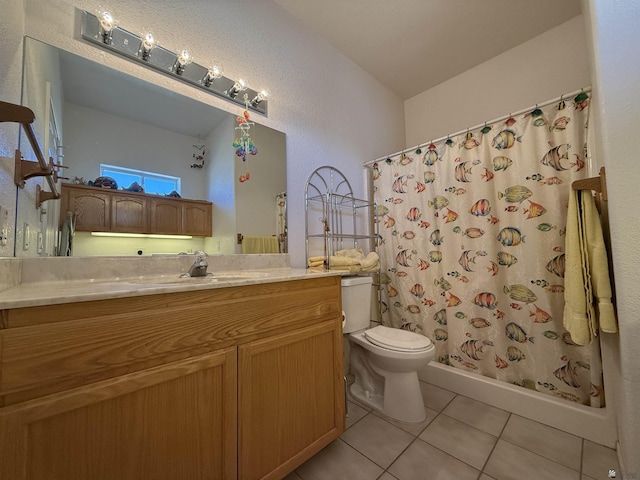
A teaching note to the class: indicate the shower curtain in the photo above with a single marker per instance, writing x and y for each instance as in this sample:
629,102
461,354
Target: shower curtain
471,240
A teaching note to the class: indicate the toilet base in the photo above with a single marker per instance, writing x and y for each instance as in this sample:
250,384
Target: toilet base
403,403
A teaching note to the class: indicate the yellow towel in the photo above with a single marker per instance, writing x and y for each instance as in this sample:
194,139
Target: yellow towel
260,245
352,260
586,272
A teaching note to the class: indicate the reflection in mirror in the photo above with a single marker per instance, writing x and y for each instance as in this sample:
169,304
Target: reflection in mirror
105,117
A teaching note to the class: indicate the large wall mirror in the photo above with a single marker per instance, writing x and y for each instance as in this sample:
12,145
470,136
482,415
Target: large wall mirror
90,115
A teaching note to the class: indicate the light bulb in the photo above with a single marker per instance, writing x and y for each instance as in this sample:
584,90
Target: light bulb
184,59
213,72
147,44
107,24
260,97
239,86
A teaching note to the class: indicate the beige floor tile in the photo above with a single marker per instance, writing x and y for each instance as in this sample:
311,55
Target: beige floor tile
387,476
339,460
424,461
484,476
413,428
463,441
598,460
551,443
356,412
434,397
377,439
510,462
477,414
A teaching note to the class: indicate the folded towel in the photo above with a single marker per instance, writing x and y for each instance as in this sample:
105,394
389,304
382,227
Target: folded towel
352,260
586,272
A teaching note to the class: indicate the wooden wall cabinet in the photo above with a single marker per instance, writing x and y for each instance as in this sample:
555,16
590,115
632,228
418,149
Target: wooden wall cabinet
106,210
239,382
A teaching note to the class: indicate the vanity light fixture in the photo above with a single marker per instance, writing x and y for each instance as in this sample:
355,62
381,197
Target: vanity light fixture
214,72
260,97
147,44
107,24
240,85
102,30
184,59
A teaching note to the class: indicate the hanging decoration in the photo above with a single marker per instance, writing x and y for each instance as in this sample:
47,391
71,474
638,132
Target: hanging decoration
198,156
243,143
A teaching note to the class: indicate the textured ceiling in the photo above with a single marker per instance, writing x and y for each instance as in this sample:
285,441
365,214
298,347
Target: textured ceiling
412,45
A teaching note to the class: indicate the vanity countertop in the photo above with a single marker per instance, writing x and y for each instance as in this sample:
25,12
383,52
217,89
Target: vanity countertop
68,291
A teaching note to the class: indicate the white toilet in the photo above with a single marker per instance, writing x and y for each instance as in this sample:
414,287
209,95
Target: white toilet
383,360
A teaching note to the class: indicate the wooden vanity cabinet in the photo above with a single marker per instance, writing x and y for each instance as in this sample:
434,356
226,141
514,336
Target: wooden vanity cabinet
238,382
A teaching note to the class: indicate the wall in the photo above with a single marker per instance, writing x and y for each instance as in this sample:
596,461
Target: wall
316,91
93,137
255,198
11,30
220,171
543,68
614,39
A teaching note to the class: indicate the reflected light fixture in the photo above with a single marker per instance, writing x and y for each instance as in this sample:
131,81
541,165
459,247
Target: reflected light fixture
147,43
213,73
260,97
141,235
107,24
239,86
184,59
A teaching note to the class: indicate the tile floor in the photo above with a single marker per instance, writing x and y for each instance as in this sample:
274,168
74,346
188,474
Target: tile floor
461,439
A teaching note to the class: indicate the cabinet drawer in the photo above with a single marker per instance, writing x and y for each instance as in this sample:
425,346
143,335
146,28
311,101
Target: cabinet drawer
72,347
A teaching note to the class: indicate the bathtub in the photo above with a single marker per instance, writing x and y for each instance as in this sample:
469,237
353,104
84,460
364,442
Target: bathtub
595,424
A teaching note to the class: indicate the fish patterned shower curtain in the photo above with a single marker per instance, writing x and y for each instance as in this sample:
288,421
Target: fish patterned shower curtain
471,241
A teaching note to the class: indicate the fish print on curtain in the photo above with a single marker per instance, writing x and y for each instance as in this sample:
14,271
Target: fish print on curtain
471,239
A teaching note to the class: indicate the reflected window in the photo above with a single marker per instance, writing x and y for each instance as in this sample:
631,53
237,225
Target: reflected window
151,182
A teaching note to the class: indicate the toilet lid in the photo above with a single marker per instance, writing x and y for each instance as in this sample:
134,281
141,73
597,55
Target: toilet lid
396,339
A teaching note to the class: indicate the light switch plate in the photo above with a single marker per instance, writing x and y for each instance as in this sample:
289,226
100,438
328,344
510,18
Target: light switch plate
4,226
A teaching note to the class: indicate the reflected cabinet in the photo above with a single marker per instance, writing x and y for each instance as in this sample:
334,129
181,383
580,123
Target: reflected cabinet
106,210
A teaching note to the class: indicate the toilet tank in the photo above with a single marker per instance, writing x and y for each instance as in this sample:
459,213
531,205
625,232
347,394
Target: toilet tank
356,303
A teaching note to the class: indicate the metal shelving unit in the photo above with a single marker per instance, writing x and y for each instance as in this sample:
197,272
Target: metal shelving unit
334,218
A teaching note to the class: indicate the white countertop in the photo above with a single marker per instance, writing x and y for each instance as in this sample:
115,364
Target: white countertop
66,291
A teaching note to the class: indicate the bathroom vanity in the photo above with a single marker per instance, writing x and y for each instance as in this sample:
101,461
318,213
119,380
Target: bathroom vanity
237,381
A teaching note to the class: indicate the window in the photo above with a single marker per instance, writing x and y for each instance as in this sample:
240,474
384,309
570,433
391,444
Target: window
154,183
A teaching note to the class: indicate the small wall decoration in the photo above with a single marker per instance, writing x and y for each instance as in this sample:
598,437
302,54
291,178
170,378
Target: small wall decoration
243,143
198,156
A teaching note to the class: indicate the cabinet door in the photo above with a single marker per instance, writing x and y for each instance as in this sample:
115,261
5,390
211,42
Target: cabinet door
129,214
166,216
290,399
93,210
169,422
196,218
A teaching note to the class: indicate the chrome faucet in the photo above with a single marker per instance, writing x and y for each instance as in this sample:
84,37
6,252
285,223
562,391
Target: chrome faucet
199,267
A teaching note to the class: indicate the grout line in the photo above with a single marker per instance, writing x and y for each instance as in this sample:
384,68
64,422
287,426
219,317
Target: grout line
495,444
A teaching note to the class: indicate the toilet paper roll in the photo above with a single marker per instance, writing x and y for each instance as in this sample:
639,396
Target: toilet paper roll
344,319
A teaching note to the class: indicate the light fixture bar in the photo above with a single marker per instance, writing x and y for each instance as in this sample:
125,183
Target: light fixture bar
160,59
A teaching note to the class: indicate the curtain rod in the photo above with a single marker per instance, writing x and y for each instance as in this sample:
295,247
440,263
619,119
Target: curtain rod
504,117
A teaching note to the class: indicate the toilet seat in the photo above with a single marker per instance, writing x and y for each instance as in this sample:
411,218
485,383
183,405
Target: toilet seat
397,339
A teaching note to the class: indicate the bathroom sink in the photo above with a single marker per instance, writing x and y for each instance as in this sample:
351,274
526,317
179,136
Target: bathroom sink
218,277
